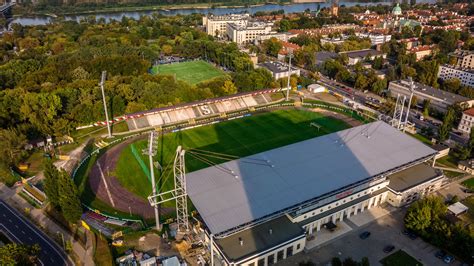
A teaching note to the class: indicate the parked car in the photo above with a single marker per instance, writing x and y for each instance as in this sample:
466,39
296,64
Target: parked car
448,259
389,248
364,235
440,254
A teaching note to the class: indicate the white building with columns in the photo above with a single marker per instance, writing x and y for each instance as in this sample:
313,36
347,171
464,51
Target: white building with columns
261,209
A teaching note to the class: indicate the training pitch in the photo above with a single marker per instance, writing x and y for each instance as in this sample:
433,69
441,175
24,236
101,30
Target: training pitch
192,72
239,137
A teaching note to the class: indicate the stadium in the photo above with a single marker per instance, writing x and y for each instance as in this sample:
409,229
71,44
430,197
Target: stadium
294,171
262,213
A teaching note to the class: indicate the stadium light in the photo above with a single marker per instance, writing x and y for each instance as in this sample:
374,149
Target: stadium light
289,75
102,84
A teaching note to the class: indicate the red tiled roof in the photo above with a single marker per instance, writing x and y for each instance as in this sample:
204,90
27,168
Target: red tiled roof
469,112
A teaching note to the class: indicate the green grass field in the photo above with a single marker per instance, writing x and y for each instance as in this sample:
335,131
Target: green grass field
192,72
469,183
400,258
240,137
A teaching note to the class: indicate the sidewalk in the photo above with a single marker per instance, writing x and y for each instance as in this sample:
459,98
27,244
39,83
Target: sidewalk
85,255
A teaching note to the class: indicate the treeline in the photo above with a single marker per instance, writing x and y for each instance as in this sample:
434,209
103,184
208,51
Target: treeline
428,218
49,74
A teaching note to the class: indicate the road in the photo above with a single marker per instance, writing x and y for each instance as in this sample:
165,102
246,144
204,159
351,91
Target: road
18,229
361,98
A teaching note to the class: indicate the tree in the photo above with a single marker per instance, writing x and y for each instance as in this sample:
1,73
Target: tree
69,198
19,254
51,187
272,46
336,261
12,143
447,125
365,262
229,88
426,107
285,25
349,262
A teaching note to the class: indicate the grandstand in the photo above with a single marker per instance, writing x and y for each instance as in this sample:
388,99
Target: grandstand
197,110
261,213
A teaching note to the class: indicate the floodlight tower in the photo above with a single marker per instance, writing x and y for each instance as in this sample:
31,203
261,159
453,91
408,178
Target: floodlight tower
290,55
151,151
398,112
412,91
102,84
178,193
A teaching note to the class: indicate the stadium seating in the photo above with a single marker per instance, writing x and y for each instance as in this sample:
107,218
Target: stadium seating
166,116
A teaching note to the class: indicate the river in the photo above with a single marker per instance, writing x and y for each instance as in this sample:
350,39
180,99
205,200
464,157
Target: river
291,8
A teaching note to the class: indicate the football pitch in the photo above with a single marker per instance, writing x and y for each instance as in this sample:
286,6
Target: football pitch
192,72
239,137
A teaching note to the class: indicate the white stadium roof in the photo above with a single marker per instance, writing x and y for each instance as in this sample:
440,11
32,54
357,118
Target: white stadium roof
301,171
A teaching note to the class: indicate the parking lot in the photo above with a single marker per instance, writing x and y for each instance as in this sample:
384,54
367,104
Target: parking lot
386,230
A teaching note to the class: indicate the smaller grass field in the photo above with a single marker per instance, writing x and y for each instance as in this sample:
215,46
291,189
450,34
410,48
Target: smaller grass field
400,258
192,72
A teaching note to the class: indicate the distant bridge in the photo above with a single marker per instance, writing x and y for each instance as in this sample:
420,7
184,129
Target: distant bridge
6,9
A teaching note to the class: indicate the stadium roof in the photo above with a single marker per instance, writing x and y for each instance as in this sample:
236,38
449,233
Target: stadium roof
301,172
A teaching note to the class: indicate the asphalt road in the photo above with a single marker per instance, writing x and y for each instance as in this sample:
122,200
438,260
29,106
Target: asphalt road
18,229
361,98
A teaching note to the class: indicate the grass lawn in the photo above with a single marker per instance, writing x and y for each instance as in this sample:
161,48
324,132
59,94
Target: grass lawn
400,258
192,72
448,161
421,138
469,183
240,137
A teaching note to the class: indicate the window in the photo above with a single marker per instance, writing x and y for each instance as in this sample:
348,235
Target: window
298,247
271,259
251,264
261,262
289,251
280,255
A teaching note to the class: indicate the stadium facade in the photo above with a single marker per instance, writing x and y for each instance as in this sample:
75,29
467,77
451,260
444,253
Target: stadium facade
261,209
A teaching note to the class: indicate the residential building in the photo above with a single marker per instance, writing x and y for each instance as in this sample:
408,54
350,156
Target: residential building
261,214
466,76
462,59
282,36
410,43
439,99
422,51
334,40
247,33
375,39
467,121
467,165
287,48
360,55
217,25
279,70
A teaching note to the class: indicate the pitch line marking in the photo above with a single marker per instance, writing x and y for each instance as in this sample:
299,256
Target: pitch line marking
106,185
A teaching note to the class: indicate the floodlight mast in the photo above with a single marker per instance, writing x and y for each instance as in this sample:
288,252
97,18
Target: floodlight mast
102,84
151,152
178,193
289,75
412,91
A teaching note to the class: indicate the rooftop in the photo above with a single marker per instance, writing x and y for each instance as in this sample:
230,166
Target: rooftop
299,173
428,90
362,53
412,177
324,56
259,238
469,112
276,67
